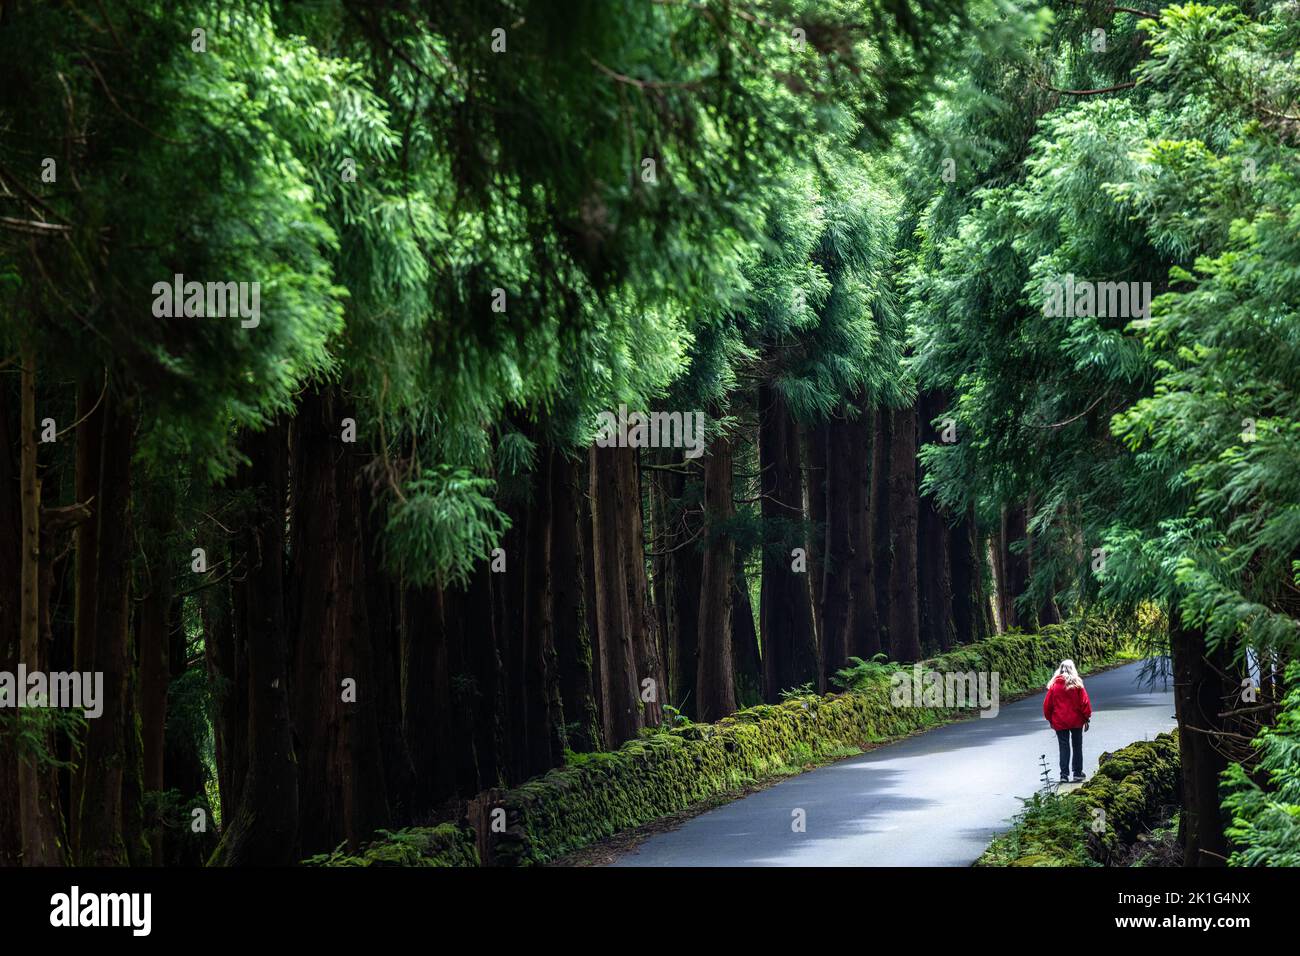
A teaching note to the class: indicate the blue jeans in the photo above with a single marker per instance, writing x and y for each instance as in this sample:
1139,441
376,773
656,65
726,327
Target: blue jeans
1063,738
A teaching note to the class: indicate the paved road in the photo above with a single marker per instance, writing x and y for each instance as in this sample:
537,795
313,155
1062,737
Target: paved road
935,799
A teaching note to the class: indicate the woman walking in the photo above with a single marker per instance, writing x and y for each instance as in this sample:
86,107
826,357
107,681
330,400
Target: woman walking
1069,711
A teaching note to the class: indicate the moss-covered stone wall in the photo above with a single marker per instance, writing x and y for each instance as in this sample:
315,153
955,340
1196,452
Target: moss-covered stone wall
597,795
1095,823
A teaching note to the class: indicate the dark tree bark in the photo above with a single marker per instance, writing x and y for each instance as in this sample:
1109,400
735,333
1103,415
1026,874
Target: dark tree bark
882,544
134,839
316,611
340,695
90,440
840,516
152,642
617,641
646,642
904,620
1046,612
105,751
11,840
428,712
971,621
542,711
997,564
572,637
586,531
37,850
686,570
678,570
789,636
1015,566
934,561
226,666
744,644
377,622
475,668
38,813
818,439
360,761
1201,693
263,830
183,768
510,599
717,693
864,641
58,526
469,617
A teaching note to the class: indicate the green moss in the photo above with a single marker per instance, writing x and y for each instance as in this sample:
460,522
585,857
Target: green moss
443,845
1129,789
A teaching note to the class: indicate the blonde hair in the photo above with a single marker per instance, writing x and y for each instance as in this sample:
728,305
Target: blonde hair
1069,672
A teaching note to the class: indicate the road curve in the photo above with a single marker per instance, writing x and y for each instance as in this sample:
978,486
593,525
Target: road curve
935,799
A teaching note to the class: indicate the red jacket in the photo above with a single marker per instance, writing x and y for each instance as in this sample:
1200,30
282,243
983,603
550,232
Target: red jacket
1066,707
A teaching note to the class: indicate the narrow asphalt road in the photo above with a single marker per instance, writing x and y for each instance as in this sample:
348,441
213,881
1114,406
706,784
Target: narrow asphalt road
935,799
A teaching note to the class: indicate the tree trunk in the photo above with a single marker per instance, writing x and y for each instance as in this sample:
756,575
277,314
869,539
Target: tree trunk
1200,694
365,761
840,515
744,644
38,818
335,691
864,639
105,752
935,577
377,626
881,525
314,615
618,651
789,636
263,830
90,441
904,621
11,561
646,642
572,637
509,601
678,572
183,766
819,442
717,693
428,712
970,603
1046,611
543,713
223,650
476,689
1015,566
155,676
586,532
134,840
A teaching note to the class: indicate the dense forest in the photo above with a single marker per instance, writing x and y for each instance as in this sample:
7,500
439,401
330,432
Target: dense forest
398,401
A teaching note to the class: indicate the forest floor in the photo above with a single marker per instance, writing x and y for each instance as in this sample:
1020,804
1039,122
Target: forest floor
935,798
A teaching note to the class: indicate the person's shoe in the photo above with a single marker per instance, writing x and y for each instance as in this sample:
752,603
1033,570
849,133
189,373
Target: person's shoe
1065,778
1078,777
